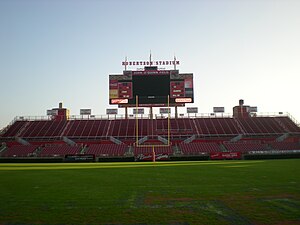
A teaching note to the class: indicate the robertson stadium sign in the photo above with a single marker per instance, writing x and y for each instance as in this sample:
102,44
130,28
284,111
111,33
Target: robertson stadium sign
149,63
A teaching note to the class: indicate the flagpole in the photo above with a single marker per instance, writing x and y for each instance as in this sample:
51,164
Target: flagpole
174,62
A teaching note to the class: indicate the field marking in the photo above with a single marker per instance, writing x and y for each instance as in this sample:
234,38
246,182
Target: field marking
129,163
236,166
64,166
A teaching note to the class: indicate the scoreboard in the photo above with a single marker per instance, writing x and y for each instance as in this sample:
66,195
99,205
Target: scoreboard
152,88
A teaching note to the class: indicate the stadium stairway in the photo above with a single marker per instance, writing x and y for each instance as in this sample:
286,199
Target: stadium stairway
223,148
69,141
163,140
282,137
239,126
237,138
22,141
115,140
65,129
22,129
37,151
190,139
130,151
142,140
177,150
84,149
281,124
3,148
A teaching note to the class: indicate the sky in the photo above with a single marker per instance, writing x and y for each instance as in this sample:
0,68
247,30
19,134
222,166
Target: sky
55,51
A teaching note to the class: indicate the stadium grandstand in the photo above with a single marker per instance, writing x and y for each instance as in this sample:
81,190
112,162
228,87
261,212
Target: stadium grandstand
242,134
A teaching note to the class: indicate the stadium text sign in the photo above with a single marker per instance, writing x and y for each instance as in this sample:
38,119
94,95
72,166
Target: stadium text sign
150,63
119,101
183,100
225,155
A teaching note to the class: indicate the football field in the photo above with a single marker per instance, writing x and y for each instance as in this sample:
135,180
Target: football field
195,192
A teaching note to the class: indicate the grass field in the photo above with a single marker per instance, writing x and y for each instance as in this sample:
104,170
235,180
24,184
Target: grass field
206,192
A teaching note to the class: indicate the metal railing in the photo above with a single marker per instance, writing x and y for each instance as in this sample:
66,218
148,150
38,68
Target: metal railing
148,116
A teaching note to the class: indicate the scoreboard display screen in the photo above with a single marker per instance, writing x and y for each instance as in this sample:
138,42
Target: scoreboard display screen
151,88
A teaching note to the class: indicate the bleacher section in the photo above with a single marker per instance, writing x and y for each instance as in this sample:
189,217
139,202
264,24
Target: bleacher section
245,147
100,128
285,146
216,126
102,136
44,129
196,148
288,124
107,150
264,125
59,151
126,128
19,151
14,129
148,150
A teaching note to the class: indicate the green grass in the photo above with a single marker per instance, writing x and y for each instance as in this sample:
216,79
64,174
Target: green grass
209,192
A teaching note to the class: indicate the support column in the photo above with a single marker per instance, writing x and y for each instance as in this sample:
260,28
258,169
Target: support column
151,112
126,112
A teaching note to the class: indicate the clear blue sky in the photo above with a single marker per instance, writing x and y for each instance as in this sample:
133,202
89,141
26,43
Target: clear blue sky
52,51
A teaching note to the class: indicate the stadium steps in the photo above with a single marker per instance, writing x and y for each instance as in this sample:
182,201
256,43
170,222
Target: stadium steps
22,141
23,129
115,140
84,149
239,126
237,138
190,139
223,148
69,141
163,140
177,150
130,151
142,140
281,124
3,148
269,147
66,128
282,137
37,151
196,127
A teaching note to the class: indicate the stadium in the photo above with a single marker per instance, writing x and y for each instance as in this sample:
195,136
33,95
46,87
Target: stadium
201,169
93,131
58,137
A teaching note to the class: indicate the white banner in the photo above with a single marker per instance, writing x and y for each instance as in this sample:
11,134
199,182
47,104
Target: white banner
219,109
253,109
85,111
192,109
164,110
138,111
111,111
52,112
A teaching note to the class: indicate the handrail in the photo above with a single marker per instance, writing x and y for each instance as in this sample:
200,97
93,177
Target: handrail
147,116
293,119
